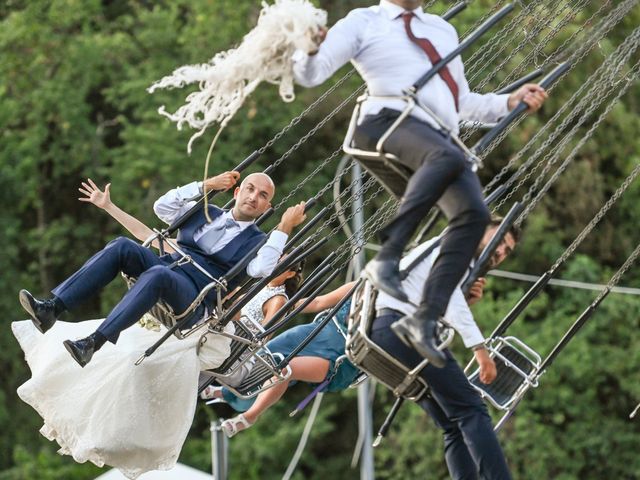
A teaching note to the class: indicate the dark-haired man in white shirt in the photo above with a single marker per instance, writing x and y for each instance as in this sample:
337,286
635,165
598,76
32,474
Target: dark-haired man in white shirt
470,444
392,45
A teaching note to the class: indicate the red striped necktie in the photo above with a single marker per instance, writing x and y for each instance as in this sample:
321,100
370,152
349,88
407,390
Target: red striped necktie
433,55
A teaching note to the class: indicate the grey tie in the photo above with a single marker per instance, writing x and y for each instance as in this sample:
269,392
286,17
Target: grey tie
210,239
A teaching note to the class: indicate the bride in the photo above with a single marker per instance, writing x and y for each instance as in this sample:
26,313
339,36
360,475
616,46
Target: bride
134,418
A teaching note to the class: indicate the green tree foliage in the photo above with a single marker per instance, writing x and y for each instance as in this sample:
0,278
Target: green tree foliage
72,84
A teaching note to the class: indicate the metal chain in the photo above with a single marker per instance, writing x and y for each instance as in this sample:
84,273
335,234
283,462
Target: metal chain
514,74
584,45
497,43
596,219
614,17
303,182
320,124
581,96
305,112
370,228
621,271
531,58
630,79
554,57
588,100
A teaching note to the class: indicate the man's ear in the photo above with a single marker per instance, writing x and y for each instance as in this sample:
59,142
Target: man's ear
290,274
235,192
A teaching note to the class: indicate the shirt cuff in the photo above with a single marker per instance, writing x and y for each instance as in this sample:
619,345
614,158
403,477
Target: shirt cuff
472,337
277,240
190,191
300,57
502,102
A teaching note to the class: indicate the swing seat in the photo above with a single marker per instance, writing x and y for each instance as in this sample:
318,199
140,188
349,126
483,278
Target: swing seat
373,360
518,367
243,345
386,168
244,348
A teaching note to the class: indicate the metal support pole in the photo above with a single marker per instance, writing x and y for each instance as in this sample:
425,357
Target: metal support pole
365,419
219,451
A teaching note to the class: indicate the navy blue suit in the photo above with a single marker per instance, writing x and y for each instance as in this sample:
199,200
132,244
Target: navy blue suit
471,447
177,286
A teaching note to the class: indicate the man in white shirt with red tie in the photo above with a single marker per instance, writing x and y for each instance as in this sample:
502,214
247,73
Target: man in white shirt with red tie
392,45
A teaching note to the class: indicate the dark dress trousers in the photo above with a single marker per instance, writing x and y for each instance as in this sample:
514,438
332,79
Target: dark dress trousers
471,447
177,286
442,176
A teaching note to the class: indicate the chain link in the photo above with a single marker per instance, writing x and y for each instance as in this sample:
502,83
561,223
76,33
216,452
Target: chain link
574,152
596,219
305,112
597,33
320,124
591,95
497,44
621,271
304,181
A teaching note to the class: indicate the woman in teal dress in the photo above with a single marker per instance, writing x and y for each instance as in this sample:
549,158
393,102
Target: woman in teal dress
317,363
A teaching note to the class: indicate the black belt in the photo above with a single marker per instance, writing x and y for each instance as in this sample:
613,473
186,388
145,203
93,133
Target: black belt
388,311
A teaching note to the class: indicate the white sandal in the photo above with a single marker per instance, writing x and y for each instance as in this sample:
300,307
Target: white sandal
235,425
212,393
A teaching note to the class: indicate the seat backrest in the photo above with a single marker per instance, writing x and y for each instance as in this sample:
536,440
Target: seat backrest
517,368
368,356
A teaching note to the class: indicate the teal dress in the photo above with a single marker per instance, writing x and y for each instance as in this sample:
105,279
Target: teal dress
329,344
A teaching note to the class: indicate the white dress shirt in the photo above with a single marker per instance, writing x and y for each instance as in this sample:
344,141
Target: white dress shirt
375,41
178,201
458,314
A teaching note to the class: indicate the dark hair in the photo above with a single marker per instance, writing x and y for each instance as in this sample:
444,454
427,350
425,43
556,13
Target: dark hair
514,230
291,285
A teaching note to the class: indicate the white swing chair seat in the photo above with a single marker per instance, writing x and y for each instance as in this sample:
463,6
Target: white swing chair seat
372,359
518,370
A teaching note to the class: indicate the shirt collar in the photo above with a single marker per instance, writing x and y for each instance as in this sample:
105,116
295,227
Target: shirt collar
393,11
241,224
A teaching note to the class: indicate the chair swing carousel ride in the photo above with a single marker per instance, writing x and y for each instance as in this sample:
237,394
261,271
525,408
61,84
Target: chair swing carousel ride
503,59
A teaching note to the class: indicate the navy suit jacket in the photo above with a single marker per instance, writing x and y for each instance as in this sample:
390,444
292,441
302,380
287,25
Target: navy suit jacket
220,262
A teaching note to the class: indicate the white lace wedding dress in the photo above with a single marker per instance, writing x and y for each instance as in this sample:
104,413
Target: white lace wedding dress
134,418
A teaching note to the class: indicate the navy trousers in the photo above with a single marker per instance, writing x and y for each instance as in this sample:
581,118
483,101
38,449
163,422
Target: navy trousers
471,447
156,281
441,176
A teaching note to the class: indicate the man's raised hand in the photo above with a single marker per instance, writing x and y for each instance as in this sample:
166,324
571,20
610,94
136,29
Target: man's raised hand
291,218
222,182
317,37
530,93
94,195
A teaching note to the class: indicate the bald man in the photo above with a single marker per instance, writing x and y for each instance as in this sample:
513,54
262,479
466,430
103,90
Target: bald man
216,246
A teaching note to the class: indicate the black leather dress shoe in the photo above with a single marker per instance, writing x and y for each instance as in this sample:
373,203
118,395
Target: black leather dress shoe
81,350
385,276
42,312
419,333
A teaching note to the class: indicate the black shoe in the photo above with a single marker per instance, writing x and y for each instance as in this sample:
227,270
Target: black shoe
42,312
385,276
419,333
81,350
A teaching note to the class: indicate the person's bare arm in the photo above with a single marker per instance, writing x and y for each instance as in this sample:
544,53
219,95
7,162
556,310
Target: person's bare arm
488,370
271,307
329,300
102,200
